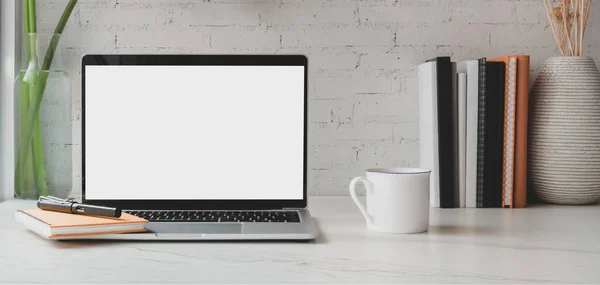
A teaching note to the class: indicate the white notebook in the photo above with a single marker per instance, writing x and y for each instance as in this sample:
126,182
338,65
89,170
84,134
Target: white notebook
428,127
471,68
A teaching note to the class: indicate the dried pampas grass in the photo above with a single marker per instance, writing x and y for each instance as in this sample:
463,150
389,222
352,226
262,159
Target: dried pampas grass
568,19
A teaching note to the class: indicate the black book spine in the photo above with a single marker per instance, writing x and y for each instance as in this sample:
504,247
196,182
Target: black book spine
494,135
446,132
481,131
456,184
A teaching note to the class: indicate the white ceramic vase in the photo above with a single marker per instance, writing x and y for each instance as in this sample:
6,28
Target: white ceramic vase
564,132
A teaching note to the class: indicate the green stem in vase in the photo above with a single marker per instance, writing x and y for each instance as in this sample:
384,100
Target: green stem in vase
24,185
60,27
30,35
32,16
30,118
37,143
27,29
23,170
39,163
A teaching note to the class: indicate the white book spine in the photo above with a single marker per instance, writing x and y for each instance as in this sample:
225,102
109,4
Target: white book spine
462,138
428,128
471,68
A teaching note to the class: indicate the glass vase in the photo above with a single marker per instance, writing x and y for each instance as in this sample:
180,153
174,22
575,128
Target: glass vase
43,125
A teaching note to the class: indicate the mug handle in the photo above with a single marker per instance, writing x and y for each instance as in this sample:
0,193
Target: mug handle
360,206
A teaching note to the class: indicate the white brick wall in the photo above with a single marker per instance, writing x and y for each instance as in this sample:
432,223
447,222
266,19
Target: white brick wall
363,53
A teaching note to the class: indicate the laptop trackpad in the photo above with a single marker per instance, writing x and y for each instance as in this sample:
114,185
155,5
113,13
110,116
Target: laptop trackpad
194,228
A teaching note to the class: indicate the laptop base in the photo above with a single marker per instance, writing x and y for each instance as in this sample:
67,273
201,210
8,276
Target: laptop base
194,231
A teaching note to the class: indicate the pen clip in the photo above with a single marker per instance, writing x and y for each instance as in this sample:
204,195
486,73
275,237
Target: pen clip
57,200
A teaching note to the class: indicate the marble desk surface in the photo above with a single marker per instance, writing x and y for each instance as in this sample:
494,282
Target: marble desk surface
541,244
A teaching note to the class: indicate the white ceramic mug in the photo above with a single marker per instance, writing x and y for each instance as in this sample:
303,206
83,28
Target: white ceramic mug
397,199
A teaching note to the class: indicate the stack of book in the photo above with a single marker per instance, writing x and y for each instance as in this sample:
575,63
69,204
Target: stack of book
473,131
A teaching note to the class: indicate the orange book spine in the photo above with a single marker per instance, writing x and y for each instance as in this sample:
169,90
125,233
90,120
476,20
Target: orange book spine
522,111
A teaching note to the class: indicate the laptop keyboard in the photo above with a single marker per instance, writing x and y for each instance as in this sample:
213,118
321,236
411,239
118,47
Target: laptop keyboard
219,216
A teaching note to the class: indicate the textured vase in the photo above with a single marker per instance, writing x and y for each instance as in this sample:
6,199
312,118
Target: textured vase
564,132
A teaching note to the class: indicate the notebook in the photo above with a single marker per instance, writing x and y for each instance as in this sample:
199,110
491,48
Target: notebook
481,113
494,134
471,68
455,132
508,151
462,139
522,111
428,127
57,225
447,123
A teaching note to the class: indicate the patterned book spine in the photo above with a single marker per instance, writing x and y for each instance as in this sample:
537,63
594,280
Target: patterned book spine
509,132
481,132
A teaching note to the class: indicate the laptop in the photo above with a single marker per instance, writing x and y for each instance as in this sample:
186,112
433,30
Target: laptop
205,147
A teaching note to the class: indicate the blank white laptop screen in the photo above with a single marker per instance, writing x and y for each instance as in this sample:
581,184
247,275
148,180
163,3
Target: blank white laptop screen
194,132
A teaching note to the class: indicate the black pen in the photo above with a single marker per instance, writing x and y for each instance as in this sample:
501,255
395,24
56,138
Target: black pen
71,206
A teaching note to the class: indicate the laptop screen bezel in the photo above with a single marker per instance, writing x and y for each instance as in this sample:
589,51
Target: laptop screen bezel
198,60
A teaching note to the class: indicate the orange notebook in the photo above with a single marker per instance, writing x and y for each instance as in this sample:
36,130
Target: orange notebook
520,187
508,155
57,225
